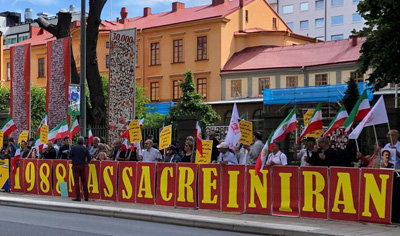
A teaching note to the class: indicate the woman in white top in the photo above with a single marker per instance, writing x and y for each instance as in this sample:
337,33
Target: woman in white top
276,157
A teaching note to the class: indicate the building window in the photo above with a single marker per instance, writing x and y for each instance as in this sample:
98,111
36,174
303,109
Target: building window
41,73
292,81
177,91
337,3
321,79
155,54
22,38
287,9
107,61
274,24
319,4
228,116
304,24
154,91
247,16
107,44
290,25
202,87
319,22
8,71
263,83
178,50
202,48
236,88
357,77
304,6
357,18
337,20
337,37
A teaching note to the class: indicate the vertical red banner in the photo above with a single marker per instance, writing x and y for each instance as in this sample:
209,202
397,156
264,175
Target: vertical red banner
233,187
93,176
17,182
44,175
285,191
108,182
376,195
314,192
209,187
258,191
30,176
60,175
127,182
166,178
344,186
186,185
71,181
145,182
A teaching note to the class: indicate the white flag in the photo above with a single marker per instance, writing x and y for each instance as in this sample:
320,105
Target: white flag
233,135
377,115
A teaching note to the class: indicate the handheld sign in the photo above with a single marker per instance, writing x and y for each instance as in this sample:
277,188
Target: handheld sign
165,137
207,150
246,130
135,134
44,134
23,136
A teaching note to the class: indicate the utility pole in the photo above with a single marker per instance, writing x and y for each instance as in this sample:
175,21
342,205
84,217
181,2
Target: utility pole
83,69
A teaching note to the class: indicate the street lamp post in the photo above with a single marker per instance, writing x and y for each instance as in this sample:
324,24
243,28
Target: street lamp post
83,69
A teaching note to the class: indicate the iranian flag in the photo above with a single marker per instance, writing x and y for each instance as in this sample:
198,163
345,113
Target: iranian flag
359,111
63,130
8,126
288,125
90,135
74,128
15,160
53,133
43,122
262,157
199,144
38,144
315,123
338,121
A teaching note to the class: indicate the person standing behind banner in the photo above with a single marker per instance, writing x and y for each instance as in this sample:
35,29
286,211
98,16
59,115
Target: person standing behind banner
50,153
386,160
188,152
327,155
172,155
11,146
308,154
225,156
150,154
80,158
393,137
214,151
24,149
256,148
276,157
63,153
95,144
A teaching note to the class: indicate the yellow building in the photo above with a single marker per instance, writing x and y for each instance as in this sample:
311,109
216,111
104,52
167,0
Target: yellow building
201,39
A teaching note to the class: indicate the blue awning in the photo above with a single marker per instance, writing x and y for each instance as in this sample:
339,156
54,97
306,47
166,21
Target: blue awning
161,108
329,93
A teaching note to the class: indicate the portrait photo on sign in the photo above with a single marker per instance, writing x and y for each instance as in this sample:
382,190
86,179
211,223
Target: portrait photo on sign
388,158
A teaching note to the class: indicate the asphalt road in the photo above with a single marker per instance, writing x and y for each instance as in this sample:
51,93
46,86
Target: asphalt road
23,221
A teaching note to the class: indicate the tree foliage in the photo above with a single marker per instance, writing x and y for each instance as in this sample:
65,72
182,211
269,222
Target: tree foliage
190,104
155,120
381,50
351,94
4,98
38,106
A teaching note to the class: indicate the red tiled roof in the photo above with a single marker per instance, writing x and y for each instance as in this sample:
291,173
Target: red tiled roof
297,56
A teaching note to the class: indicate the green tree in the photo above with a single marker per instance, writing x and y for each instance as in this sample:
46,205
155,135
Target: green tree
4,98
190,104
351,94
38,106
155,120
381,50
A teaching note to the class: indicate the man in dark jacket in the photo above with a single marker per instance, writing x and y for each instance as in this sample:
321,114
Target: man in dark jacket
50,153
80,158
327,155
64,150
214,152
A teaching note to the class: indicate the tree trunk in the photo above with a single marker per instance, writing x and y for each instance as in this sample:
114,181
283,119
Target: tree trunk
93,77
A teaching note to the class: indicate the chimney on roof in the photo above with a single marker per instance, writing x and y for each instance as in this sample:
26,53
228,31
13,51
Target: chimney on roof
177,6
219,2
354,40
146,11
124,15
242,16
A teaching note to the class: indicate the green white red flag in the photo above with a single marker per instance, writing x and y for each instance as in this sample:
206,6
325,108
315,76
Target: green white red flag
74,128
288,125
63,130
262,157
15,160
315,123
359,111
43,122
90,136
8,126
199,143
338,121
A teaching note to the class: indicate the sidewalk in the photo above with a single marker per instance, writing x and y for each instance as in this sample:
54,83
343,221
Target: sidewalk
245,223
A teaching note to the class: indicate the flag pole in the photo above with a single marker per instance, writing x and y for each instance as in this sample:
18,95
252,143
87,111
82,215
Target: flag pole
391,138
376,137
358,149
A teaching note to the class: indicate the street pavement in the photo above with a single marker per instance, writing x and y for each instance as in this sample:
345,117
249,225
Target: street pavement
191,218
16,221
